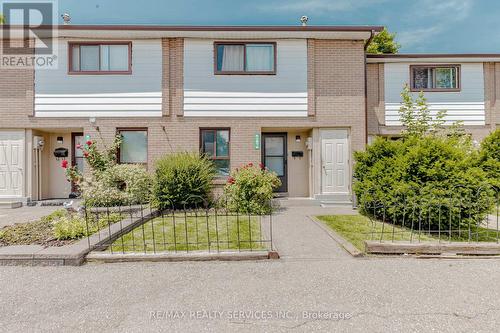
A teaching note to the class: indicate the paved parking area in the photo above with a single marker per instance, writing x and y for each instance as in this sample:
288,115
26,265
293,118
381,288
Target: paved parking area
308,290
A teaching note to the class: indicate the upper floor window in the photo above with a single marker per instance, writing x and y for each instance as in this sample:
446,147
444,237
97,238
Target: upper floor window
245,58
100,58
435,78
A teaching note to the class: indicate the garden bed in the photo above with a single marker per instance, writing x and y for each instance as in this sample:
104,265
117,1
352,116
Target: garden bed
54,230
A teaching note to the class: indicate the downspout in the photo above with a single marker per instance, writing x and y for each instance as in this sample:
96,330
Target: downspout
372,34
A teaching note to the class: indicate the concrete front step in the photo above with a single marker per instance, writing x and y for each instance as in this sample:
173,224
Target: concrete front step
10,204
326,204
334,197
297,202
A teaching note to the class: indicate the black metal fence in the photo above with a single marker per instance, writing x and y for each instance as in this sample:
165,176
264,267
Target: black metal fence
198,227
435,219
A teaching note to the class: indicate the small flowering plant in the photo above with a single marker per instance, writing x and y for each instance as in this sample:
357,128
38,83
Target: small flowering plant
250,189
99,161
72,173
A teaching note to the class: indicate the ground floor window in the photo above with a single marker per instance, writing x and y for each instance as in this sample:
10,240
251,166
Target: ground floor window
214,143
134,146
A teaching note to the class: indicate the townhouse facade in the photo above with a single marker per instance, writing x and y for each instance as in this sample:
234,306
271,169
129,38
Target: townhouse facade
300,100
466,86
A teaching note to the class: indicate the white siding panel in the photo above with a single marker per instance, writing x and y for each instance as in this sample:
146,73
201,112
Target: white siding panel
280,95
255,113
58,94
466,105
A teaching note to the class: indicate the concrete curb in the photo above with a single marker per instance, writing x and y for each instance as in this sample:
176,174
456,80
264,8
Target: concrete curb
433,248
177,257
346,245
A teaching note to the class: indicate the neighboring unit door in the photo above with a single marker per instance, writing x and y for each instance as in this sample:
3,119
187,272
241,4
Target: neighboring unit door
274,156
11,164
334,161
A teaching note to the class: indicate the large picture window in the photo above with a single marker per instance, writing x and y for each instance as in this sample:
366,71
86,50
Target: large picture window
214,144
245,58
134,146
435,78
100,58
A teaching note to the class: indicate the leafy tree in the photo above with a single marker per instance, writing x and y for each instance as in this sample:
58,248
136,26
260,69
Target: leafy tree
416,116
383,43
2,19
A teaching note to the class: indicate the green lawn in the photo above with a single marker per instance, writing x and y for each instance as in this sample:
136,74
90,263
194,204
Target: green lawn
357,228
190,233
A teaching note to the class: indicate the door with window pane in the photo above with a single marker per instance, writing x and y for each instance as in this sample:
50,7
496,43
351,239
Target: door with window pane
274,156
77,155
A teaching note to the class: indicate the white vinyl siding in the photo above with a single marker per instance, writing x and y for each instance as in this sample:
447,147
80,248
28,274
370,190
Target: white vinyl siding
466,105
210,95
58,94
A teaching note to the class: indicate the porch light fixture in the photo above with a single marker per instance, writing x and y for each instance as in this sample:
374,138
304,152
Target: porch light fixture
297,138
92,122
309,143
60,140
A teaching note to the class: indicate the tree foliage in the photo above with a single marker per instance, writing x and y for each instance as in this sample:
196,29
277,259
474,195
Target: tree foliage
383,43
416,117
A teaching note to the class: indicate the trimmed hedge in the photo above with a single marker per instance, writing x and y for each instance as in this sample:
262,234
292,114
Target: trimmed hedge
425,173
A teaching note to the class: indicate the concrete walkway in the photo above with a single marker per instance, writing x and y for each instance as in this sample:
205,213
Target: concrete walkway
296,236
24,214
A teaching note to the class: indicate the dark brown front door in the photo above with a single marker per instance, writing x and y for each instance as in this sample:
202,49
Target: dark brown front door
274,156
76,154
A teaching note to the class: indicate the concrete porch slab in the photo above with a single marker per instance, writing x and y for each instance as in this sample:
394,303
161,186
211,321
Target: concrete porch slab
10,204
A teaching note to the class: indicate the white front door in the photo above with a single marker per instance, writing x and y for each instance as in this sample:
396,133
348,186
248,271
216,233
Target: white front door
11,163
334,161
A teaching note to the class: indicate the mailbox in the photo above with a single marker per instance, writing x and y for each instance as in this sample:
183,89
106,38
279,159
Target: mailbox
61,152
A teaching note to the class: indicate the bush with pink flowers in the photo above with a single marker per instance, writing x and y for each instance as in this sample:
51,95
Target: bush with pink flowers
250,189
107,183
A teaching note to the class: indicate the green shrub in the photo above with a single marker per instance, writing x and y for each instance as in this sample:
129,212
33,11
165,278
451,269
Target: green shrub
70,227
183,180
74,226
250,190
489,157
124,184
426,172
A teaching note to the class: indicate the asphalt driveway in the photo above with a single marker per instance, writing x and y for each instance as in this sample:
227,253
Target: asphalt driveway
314,287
